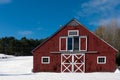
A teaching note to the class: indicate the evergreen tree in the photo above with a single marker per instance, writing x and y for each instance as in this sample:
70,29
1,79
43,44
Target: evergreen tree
22,47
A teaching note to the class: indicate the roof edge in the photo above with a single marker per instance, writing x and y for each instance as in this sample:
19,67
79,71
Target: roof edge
74,19
53,34
99,37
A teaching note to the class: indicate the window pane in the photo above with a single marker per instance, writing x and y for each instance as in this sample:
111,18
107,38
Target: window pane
76,43
45,59
69,44
73,33
101,59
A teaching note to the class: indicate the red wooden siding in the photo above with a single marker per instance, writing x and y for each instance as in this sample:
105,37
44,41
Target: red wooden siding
92,66
93,44
83,44
63,43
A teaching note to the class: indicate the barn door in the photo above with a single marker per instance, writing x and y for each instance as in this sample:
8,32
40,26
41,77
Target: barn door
66,63
79,62
72,62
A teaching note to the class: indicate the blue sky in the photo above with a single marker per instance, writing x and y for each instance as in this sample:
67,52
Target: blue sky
40,18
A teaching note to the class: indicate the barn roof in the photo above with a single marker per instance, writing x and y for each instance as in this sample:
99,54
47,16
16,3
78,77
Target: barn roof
72,22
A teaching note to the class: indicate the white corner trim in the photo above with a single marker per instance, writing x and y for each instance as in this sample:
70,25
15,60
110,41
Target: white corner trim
45,62
101,62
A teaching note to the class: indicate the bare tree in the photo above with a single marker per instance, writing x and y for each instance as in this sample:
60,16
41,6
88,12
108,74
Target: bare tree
110,32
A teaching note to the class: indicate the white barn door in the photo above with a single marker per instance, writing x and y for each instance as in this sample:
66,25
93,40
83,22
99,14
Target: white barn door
72,63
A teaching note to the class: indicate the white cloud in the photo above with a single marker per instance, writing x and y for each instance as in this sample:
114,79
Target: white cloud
97,10
98,7
105,22
5,1
25,32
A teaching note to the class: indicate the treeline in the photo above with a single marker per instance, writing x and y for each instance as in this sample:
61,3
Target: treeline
110,32
22,47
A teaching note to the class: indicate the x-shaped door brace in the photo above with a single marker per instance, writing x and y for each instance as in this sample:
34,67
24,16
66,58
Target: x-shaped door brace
67,57
66,68
79,68
71,64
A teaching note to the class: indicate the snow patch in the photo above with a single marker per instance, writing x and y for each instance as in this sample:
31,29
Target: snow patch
117,71
20,68
16,65
3,56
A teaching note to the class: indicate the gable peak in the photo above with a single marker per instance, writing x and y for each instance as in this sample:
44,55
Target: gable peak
73,23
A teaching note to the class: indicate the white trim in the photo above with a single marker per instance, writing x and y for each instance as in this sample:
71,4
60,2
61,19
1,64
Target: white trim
58,52
73,31
61,62
55,52
45,62
73,63
80,43
60,43
72,44
101,62
84,64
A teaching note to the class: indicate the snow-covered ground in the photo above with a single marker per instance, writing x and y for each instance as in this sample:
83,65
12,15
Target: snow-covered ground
19,68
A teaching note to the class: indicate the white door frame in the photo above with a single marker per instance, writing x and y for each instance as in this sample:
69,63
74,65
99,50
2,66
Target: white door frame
73,63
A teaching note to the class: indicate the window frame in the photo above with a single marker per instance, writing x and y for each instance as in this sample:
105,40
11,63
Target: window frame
80,43
45,62
67,37
61,42
101,62
73,31
71,43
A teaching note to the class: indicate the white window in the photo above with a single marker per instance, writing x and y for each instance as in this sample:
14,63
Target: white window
73,33
101,60
73,43
45,60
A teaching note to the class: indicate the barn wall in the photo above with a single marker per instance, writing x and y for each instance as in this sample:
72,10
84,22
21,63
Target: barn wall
54,65
92,66
103,49
94,44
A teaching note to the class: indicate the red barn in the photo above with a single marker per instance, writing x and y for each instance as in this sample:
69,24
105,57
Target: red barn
73,48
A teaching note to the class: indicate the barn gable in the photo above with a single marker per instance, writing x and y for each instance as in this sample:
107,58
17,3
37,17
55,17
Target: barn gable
73,23
73,48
